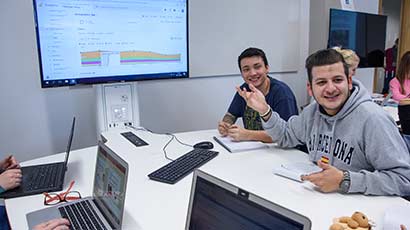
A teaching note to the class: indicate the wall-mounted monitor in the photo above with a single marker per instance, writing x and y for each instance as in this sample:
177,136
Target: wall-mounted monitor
102,41
362,32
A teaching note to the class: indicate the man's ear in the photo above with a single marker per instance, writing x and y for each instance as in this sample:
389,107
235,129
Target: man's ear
350,82
309,89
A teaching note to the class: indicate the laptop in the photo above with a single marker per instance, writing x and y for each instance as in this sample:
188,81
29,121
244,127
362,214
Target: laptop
105,209
216,204
42,178
387,99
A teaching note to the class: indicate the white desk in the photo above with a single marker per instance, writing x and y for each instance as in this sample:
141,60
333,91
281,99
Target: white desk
152,205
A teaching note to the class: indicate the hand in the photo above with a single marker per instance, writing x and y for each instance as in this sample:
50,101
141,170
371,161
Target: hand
237,133
223,128
10,179
254,99
53,224
402,227
327,180
9,162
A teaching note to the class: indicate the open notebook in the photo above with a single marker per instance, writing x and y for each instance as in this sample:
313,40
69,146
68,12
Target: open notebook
237,146
294,171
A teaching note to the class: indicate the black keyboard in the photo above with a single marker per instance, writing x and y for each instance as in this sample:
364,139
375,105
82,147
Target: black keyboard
44,176
134,139
179,168
82,216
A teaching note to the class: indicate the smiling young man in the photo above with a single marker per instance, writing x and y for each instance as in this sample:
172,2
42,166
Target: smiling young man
254,68
361,142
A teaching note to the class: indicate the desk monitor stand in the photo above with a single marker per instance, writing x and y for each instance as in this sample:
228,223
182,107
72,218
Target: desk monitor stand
117,106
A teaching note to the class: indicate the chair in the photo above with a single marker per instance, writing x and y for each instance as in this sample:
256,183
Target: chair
404,117
407,140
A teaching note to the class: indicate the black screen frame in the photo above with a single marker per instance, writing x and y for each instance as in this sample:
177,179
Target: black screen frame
364,60
107,79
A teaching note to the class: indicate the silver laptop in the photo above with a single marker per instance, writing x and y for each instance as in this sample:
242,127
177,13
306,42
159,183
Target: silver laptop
216,204
105,209
386,99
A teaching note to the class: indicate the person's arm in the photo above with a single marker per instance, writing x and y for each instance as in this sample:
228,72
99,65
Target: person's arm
238,133
395,89
10,178
387,153
286,134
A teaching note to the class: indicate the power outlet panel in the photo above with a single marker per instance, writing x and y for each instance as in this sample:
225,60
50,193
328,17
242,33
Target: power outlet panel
117,106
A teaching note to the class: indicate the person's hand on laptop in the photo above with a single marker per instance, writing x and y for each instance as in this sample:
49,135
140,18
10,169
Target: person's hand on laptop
54,224
10,179
9,162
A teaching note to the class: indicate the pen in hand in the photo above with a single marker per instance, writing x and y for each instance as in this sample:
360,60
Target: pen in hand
11,163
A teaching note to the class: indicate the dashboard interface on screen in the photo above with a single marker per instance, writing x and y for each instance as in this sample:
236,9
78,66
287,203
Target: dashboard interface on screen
97,41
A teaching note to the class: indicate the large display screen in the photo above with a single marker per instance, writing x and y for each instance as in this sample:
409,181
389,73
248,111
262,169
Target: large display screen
100,41
362,32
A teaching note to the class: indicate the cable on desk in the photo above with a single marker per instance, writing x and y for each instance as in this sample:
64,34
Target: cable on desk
167,134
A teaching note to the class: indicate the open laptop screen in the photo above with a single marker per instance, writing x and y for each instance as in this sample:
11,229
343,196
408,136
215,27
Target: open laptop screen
214,207
70,140
110,183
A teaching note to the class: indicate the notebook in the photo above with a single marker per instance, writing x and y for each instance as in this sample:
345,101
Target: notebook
42,178
296,170
237,146
216,204
105,208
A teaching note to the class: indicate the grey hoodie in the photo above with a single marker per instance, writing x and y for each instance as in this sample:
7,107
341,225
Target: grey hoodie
361,138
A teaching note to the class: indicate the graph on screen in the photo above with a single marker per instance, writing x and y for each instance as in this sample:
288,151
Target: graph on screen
83,40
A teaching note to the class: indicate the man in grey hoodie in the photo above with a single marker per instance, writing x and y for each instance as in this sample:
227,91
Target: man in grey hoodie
360,142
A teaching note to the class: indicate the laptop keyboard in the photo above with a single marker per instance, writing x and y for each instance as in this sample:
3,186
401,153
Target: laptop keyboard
43,177
179,168
82,216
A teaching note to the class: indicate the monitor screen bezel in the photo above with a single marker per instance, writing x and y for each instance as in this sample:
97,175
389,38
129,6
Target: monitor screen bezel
361,63
252,198
107,79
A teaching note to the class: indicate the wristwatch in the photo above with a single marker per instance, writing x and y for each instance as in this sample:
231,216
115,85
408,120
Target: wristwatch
345,183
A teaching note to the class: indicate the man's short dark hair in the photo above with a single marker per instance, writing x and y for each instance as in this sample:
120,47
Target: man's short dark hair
322,58
251,52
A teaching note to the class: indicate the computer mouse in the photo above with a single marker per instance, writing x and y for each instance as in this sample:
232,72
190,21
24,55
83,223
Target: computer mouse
204,145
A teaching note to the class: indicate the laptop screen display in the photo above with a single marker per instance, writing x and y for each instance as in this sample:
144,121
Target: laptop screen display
217,208
110,184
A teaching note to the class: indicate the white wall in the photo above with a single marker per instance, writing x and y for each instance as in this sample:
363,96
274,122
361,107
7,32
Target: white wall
392,10
35,122
199,103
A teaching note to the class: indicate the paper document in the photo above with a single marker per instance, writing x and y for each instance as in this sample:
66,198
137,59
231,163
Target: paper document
295,170
236,146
